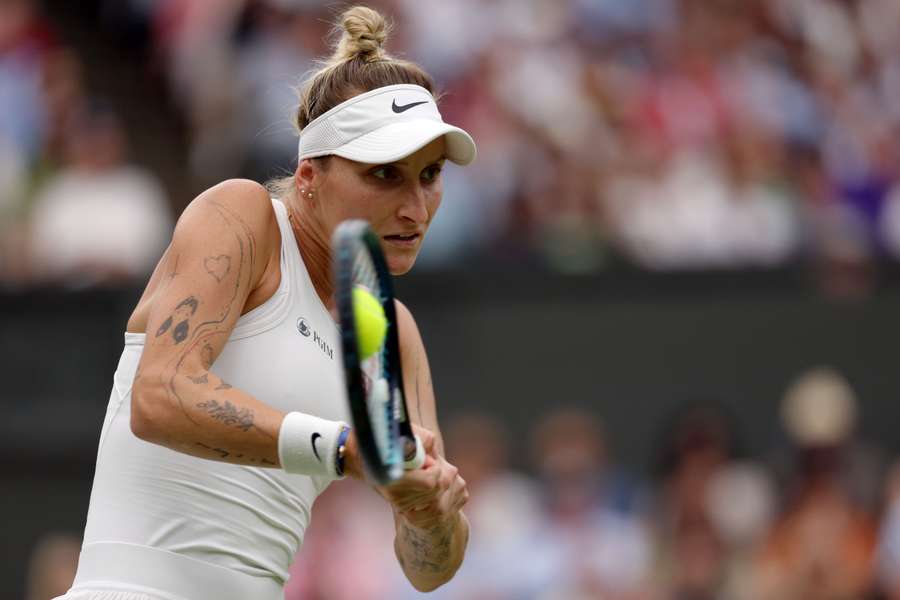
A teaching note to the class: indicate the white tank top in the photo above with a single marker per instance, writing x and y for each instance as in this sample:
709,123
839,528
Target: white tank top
246,519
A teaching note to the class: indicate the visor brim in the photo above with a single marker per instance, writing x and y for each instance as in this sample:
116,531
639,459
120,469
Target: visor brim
398,140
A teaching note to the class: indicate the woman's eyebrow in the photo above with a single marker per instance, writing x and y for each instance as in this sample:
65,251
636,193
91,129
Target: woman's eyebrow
404,163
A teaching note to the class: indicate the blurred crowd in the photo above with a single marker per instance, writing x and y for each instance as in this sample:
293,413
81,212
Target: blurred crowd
815,518
74,209
659,134
662,134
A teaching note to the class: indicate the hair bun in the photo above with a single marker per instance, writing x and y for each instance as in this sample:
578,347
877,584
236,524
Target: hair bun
365,31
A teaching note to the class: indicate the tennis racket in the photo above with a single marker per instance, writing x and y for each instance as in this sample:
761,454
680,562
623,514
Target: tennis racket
374,383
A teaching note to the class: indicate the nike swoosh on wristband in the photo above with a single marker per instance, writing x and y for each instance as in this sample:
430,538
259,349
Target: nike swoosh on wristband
313,440
399,109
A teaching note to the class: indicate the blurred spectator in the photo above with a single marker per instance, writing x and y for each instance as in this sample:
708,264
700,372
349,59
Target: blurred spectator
24,39
195,41
100,219
822,546
51,568
65,95
284,38
593,542
13,185
714,507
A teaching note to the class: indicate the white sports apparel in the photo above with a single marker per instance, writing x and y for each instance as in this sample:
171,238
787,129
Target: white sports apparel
107,595
384,125
200,524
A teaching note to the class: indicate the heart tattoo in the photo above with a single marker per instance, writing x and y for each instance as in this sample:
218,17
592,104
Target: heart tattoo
217,266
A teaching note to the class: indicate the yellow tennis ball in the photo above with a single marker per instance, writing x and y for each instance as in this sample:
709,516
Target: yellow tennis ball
371,324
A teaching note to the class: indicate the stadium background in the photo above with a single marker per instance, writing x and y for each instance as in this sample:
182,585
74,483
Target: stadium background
678,247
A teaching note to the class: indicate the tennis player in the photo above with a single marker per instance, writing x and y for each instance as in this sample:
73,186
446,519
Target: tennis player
227,414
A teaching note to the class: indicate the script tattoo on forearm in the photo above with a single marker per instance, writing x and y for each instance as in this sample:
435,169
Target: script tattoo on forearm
223,454
427,551
228,413
220,451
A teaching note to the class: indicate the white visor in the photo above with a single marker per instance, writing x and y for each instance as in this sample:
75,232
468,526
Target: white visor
382,126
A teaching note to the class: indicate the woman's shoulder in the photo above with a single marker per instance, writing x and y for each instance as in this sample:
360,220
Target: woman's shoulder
242,195
242,201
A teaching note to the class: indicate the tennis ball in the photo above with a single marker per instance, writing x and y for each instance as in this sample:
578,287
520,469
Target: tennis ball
371,324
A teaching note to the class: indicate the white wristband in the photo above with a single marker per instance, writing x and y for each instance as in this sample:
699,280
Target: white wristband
307,445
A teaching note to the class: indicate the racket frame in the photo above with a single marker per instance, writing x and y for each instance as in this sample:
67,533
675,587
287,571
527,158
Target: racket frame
350,238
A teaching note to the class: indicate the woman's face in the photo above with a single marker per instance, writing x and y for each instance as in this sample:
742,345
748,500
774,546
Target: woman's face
398,199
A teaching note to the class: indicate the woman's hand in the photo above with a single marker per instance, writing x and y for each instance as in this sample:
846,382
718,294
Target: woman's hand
431,494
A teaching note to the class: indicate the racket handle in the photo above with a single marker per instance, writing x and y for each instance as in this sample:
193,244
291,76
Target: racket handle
417,459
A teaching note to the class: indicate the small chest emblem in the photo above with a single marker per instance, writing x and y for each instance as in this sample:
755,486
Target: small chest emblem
303,327
306,330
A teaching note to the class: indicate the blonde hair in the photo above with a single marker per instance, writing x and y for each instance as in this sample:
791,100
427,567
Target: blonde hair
358,64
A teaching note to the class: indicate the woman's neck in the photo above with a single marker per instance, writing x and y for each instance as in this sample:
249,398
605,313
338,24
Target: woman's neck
316,254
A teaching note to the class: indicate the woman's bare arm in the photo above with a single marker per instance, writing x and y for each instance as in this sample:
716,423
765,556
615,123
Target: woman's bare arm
430,541
219,252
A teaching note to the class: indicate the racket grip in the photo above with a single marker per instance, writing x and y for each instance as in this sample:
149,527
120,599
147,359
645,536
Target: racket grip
415,460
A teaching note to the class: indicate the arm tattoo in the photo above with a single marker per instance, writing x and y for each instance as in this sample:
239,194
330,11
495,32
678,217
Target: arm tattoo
180,314
198,380
164,327
217,266
228,414
206,354
180,332
427,551
224,386
174,272
223,454
200,335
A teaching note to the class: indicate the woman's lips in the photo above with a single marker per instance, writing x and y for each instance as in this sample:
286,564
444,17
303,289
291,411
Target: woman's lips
403,240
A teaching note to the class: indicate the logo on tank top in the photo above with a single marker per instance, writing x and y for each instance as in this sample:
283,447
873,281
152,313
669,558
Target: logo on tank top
304,328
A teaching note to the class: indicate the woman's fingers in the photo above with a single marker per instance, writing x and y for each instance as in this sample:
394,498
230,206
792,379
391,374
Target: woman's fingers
427,438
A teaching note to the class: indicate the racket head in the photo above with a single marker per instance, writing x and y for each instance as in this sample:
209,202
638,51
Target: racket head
374,384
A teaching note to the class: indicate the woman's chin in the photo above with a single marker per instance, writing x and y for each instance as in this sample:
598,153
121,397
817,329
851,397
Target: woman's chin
400,265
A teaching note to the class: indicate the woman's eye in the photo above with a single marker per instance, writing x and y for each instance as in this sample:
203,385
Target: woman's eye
387,173
431,173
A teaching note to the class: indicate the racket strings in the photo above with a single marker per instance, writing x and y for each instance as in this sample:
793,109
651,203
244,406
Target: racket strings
364,274
376,372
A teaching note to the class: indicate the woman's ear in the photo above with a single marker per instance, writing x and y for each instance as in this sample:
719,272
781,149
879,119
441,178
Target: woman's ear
305,176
